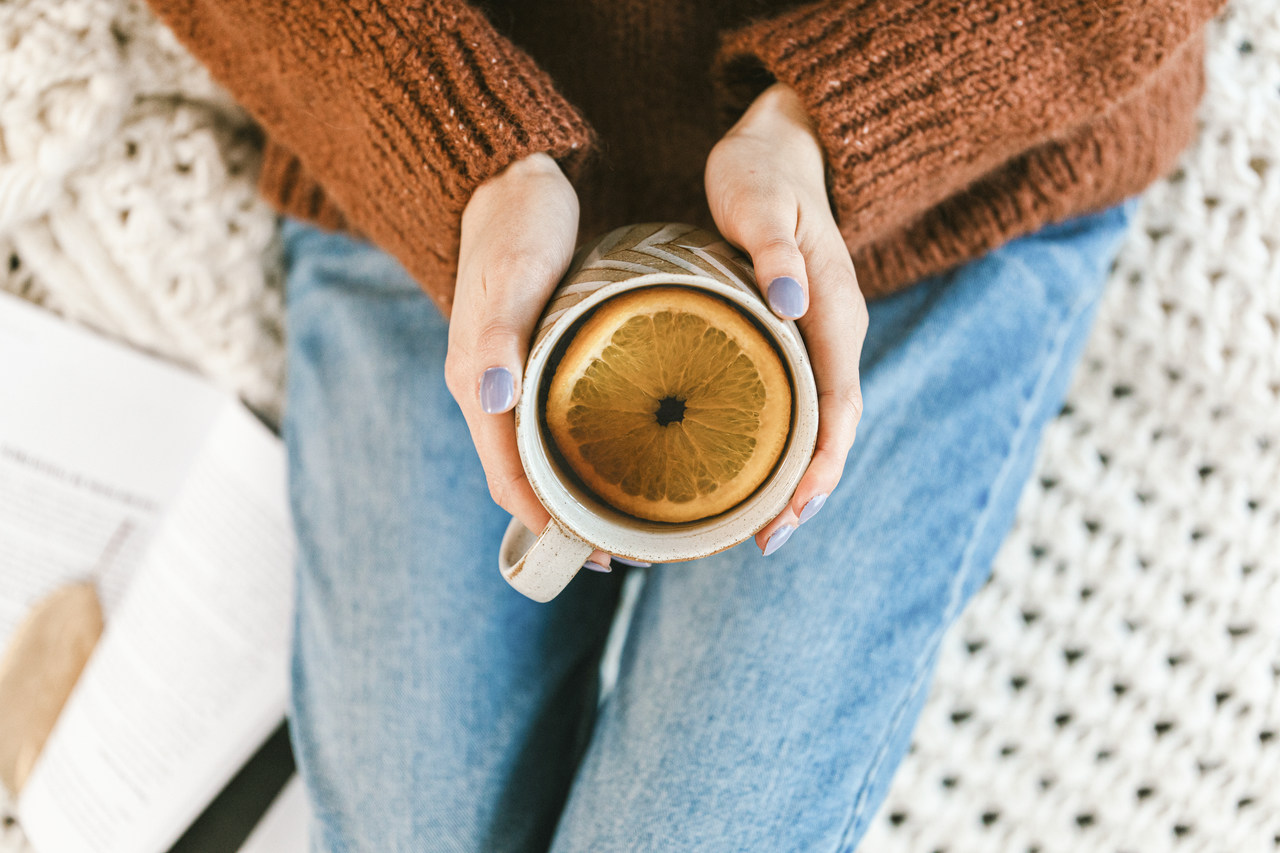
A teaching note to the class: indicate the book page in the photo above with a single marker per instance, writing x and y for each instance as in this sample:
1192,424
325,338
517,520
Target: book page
191,675
94,441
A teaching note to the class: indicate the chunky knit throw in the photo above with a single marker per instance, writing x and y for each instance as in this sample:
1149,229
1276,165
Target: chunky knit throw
1113,688
127,198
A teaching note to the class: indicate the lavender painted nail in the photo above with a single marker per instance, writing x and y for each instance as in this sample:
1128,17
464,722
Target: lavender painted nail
786,297
596,567
811,508
635,564
497,390
778,538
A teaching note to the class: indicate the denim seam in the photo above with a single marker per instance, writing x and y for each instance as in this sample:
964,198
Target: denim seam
922,666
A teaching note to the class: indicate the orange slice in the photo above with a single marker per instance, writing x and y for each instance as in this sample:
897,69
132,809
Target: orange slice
669,404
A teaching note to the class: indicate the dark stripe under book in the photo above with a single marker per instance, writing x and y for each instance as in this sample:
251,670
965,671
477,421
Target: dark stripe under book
233,814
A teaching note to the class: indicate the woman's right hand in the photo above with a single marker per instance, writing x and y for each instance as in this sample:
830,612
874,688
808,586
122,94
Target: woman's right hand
518,234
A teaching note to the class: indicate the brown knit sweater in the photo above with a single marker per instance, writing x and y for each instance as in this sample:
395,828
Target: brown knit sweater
949,126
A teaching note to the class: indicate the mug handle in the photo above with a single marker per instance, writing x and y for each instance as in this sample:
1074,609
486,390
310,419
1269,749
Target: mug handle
540,566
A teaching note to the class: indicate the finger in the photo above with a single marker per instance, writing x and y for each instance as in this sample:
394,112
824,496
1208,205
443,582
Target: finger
512,253
509,486
780,270
486,364
776,533
599,561
495,442
766,230
834,332
497,304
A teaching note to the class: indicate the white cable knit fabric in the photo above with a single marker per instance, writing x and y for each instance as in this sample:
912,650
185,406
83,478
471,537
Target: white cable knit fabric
1114,688
127,192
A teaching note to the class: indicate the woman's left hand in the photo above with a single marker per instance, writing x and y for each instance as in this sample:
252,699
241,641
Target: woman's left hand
767,192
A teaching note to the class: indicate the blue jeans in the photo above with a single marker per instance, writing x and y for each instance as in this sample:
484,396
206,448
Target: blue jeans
761,703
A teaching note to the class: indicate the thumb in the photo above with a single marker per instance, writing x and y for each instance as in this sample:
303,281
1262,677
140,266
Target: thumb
780,271
764,226
500,351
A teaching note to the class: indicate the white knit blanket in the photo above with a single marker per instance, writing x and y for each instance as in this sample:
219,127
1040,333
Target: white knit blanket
1115,687
127,197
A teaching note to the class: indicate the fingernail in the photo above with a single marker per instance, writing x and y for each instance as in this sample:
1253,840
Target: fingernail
497,390
786,297
778,538
636,564
811,508
593,566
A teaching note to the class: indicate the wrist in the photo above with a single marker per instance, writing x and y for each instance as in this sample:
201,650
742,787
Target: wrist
537,164
535,174
776,111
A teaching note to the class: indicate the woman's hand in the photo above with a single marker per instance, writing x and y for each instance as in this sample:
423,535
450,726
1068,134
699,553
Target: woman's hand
767,192
518,233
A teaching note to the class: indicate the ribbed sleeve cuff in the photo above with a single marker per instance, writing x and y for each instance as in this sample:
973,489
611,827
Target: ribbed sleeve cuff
1096,166
914,101
383,116
285,182
457,100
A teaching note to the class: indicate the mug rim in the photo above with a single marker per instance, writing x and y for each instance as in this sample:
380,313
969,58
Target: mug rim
633,538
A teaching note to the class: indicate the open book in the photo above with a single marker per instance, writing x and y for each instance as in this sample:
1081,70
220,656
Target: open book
170,497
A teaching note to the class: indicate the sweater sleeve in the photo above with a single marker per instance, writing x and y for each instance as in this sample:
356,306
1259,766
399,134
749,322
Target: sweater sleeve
919,104
382,117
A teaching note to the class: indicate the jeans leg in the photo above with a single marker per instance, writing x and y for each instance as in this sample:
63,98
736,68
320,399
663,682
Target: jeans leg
433,708
764,703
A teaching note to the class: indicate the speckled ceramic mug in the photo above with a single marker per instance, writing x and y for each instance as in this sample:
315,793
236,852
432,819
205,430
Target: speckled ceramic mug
636,256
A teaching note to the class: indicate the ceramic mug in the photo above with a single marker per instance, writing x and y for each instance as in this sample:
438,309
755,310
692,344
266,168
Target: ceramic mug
541,565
